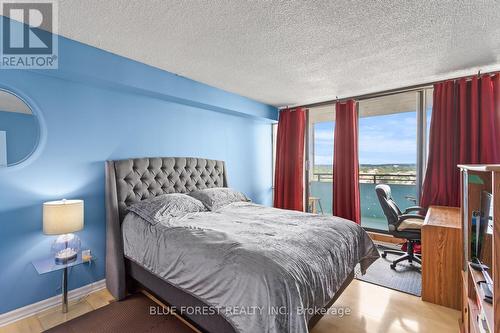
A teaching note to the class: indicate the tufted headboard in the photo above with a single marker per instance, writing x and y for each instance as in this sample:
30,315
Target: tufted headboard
132,180
142,178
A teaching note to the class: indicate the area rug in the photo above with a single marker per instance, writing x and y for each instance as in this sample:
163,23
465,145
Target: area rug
130,315
406,277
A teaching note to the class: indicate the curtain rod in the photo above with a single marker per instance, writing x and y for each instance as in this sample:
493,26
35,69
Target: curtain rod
386,92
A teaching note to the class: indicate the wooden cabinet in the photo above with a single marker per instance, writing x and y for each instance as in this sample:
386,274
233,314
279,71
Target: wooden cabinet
441,257
476,179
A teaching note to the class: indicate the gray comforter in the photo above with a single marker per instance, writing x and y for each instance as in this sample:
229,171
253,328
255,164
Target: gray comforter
264,269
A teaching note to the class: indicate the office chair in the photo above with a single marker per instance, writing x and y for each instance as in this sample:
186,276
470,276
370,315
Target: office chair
401,225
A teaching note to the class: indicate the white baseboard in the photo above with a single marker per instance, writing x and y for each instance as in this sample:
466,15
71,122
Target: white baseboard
35,308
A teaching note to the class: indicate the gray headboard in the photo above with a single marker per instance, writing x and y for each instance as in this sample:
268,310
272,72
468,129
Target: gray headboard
132,180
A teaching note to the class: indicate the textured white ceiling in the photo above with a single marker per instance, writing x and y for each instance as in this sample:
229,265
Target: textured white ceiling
295,52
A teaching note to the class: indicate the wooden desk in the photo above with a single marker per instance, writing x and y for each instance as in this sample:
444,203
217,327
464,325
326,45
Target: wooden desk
442,257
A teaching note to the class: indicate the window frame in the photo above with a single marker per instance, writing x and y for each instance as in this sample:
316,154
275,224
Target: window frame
422,144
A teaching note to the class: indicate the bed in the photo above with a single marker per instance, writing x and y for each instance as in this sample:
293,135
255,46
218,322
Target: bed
262,272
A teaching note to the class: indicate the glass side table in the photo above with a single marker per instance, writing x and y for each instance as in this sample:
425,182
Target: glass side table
48,265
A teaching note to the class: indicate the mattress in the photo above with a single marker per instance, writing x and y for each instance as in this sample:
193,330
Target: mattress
263,269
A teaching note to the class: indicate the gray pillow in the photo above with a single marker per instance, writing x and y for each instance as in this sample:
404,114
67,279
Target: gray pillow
215,198
166,206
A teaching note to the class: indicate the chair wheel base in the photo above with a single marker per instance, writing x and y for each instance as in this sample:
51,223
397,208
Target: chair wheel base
383,255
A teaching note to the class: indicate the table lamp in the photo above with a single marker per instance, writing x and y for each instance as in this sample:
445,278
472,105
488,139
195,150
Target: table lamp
63,217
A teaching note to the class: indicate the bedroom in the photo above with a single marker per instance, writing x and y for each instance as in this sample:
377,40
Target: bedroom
114,115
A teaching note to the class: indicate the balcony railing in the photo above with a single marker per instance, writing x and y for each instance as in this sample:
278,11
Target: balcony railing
372,178
403,188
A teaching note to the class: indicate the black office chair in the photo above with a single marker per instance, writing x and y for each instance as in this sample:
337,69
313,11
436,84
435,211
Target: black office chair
401,225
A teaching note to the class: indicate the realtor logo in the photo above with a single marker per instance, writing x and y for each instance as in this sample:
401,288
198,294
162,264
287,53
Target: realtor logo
29,35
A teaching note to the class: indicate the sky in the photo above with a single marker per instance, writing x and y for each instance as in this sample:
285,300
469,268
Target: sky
387,139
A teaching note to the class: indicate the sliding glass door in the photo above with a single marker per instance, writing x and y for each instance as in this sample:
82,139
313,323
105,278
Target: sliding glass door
393,143
392,150
387,154
319,167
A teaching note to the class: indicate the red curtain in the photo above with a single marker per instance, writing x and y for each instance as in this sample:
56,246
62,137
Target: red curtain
489,120
442,177
346,202
465,129
289,172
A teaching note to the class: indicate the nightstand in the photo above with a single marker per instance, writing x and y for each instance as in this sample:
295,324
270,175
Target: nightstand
48,265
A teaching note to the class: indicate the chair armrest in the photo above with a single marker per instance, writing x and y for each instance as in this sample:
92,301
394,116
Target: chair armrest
410,225
412,209
410,216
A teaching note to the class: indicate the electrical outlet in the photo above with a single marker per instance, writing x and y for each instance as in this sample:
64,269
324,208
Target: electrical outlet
86,255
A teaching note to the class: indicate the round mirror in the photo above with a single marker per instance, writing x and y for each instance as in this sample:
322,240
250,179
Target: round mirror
19,130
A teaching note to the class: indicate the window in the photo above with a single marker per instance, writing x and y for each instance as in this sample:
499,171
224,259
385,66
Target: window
393,144
274,134
387,154
320,171
427,120
393,132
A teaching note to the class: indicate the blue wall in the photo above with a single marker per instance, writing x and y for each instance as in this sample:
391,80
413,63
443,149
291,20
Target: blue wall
100,106
22,134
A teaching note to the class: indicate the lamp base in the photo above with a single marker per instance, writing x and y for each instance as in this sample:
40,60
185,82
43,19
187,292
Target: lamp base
65,260
65,249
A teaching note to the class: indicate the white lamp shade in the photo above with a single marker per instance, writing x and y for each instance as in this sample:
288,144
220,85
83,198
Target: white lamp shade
62,217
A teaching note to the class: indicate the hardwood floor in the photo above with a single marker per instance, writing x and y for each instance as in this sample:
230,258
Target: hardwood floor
53,316
374,309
